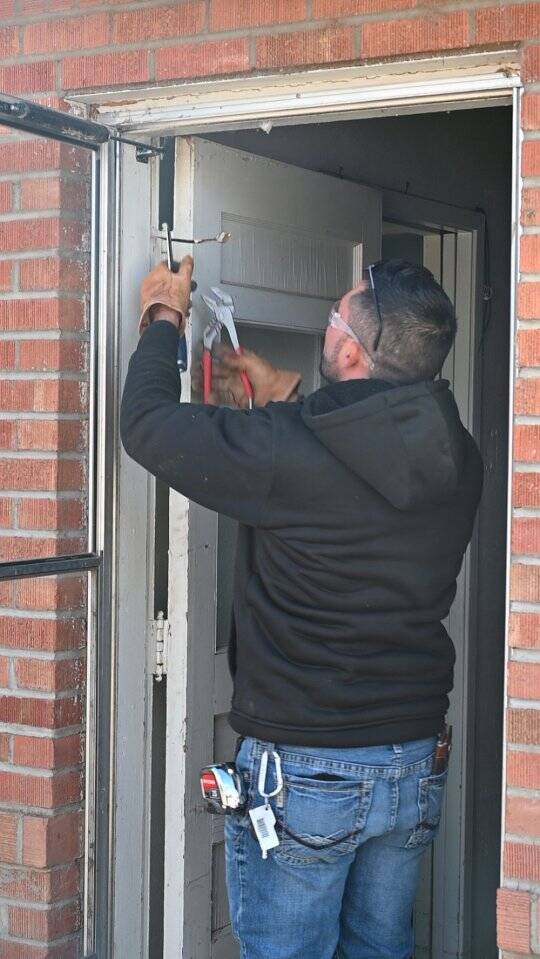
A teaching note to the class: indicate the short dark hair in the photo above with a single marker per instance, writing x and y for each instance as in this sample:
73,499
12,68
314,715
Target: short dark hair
418,322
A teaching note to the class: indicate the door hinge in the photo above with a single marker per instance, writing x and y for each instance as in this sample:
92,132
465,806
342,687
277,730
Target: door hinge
159,633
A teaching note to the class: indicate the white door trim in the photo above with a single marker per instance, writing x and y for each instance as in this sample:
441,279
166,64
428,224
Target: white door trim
301,97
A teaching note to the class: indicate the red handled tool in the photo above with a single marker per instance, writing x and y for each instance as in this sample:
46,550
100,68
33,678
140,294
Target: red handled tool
223,308
211,335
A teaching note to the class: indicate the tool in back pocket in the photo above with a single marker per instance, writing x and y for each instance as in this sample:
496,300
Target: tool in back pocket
442,751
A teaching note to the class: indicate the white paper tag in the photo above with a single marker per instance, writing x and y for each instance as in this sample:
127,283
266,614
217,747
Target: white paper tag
263,820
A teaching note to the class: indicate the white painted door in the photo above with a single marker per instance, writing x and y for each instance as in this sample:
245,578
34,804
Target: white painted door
299,240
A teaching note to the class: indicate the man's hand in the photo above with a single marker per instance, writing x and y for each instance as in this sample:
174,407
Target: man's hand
165,295
269,383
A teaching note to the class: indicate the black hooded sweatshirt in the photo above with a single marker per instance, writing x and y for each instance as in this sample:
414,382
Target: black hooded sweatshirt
356,507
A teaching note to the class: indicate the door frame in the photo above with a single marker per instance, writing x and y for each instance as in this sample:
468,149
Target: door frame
463,81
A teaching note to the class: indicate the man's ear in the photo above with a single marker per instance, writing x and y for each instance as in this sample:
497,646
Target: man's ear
353,354
355,361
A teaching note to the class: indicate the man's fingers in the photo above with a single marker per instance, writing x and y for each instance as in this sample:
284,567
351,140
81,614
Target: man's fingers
234,361
186,264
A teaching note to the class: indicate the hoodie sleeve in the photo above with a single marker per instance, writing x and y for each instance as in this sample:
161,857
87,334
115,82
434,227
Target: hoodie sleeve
218,457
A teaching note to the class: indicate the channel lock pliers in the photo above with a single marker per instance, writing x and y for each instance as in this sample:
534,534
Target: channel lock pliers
223,308
211,335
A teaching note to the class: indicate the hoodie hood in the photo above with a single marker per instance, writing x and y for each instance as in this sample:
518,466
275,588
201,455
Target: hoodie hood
407,442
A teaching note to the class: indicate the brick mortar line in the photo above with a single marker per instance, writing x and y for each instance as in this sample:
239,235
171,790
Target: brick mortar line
43,656
522,792
16,296
357,40
43,455
52,336
41,811
24,216
71,937
472,25
520,748
39,906
16,532
20,839
61,173
62,252
43,695
66,214
25,376
40,771
525,840
524,654
515,703
46,417
524,885
41,733
54,615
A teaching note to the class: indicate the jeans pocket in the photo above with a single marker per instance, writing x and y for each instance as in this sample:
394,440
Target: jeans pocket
321,818
430,803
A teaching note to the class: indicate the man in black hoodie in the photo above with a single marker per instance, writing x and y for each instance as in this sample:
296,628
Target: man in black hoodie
355,506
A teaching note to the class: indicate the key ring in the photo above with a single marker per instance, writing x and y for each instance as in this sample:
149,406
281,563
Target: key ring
263,768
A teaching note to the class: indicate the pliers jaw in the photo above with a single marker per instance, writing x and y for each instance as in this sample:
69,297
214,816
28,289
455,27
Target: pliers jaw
211,335
223,308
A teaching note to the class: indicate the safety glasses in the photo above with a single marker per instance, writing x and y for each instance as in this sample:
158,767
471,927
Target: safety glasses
369,269
338,323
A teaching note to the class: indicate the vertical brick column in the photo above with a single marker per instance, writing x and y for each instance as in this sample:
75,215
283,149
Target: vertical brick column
518,900
44,228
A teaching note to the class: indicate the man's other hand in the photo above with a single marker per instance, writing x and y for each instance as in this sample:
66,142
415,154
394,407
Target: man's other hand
165,295
269,383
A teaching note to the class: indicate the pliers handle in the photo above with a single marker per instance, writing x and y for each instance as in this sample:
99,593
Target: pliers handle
211,335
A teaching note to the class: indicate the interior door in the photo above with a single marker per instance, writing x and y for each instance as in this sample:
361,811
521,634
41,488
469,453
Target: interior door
298,241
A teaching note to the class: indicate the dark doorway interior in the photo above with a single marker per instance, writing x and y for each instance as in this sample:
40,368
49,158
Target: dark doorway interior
461,158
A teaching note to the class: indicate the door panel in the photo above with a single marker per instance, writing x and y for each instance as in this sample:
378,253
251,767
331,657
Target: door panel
298,243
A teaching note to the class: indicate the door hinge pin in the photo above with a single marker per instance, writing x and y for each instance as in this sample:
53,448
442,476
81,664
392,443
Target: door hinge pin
159,631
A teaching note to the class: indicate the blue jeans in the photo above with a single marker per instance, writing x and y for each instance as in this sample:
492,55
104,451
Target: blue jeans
351,899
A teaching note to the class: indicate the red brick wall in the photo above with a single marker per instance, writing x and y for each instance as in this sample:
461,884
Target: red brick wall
44,275
49,47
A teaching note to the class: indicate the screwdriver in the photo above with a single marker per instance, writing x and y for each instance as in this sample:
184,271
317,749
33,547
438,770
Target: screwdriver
181,357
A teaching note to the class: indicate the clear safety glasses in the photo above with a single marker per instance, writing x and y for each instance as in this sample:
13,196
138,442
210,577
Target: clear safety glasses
336,321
